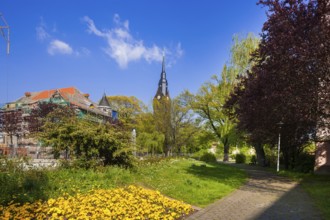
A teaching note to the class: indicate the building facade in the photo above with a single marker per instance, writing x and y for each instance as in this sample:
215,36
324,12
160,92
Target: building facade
14,117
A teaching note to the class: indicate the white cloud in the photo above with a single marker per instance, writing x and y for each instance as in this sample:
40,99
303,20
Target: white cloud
179,51
84,51
41,30
173,54
41,33
56,46
122,46
59,47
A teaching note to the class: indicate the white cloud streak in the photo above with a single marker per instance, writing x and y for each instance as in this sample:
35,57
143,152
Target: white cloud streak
41,31
56,46
59,47
122,46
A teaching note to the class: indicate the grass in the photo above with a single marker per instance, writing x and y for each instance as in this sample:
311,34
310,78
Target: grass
317,186
191,181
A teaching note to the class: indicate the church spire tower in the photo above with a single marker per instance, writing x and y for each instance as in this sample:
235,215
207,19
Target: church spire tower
162,110
104,105
162,84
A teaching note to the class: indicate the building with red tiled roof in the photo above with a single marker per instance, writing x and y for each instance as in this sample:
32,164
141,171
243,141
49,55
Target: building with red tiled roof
70,96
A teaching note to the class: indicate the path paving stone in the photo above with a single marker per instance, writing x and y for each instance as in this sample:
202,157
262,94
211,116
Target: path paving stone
264,196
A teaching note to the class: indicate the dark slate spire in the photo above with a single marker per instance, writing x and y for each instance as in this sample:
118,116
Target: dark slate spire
163,64
162,84
104,101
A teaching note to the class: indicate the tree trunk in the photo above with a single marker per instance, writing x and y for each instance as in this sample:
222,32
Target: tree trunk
261,157
225,150
286,157
11,139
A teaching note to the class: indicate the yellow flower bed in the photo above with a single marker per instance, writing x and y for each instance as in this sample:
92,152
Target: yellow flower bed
123,203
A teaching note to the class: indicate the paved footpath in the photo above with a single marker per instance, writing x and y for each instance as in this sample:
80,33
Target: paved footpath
264,196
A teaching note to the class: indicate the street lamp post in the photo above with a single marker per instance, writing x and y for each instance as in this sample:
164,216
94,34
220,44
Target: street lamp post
280,124
134,141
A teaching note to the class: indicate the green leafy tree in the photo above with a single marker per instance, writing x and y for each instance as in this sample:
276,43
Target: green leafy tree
85,138
162,119
185,125
150,142
57,128
145,122
208,104
128,108
210,100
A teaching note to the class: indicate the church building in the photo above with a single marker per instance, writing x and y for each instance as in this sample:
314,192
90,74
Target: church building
162,110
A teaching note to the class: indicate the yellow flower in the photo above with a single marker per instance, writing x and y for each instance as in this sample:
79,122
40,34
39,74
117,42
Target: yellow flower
123,203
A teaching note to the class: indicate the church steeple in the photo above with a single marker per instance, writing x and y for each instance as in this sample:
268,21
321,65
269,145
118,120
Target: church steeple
162,110
162,84
163,64
104,101
104,105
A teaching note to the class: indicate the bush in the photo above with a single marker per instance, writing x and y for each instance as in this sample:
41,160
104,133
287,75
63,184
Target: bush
305,163
197,155
152,160
240,158
208,158
19,185
94,163
253,160
85,163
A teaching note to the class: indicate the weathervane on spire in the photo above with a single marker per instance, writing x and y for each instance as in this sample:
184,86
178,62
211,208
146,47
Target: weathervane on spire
163,65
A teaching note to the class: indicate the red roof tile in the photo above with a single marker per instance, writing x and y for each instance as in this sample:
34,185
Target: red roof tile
70,94
48,93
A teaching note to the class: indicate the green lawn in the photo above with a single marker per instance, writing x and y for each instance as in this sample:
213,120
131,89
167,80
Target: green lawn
191,181
188,180
317,186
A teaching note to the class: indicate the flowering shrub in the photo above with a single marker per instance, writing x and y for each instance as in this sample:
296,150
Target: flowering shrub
122,203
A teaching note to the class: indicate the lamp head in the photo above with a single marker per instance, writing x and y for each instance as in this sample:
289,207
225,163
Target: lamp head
280,124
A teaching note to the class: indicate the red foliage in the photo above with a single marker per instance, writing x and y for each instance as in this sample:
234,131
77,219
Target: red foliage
290,81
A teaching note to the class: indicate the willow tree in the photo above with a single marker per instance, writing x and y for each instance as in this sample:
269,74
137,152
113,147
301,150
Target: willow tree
162,119
210,100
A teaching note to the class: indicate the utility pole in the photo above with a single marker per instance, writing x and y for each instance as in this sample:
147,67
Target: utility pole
5,32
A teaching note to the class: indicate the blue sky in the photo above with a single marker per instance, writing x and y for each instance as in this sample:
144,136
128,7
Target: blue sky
116,46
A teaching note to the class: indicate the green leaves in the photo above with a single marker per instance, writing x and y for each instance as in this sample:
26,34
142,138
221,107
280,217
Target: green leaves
211,98
150,142
86,138
128,107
